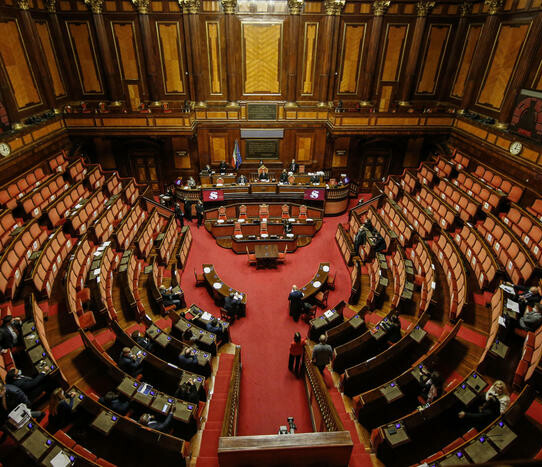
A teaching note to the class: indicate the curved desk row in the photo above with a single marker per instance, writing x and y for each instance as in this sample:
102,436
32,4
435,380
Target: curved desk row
218,289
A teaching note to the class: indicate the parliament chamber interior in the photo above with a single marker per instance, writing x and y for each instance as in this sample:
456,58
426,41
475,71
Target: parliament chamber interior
270,232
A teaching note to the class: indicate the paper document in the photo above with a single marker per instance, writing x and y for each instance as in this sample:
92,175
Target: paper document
60,460
511,305
507,288
502,322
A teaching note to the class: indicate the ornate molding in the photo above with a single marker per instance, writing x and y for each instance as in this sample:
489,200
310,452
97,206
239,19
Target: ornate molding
423,8
334,7
23,4
295,6
190,6
96,6
493,6
465,8
143,6
380,7
229,6
51,6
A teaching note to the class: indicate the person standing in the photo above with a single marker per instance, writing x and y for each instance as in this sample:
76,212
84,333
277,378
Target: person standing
179,215
296,352
322,353
199,212
295,297
188,210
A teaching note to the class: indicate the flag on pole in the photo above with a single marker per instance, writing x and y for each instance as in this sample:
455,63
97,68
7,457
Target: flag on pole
236,156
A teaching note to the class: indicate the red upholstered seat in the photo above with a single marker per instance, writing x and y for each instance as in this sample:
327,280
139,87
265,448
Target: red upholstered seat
321,298
200,279
85,453
63,438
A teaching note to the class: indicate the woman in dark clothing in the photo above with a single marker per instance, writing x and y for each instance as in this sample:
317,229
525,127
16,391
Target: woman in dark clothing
60,408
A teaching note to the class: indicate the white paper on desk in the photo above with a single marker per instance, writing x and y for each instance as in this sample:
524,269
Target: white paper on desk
502,322
511,305
507,288
164,409
206,316
60,460
328,314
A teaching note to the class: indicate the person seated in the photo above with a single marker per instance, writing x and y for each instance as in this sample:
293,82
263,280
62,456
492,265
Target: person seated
393,328
31,386
115,402
142,341
487,410
129,363
169,299
223,167
361,235
526,296
207,170
315,178
10,332
293,167
231,305
532,318
287,227
10,397
283,177
189,336
188,391
499,390
379,243
60,409
263,175
296,302
191,183
187,360
242,179
150,421
431,385
214,327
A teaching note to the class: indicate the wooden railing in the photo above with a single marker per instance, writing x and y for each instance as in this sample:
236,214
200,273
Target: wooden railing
229,425
324,416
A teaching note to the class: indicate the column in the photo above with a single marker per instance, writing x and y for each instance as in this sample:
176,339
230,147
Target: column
522,72
405,92
294,7
333,8
149,51
483,50
33,47
111,77
455,54
193,41
58,39
379,8
232,74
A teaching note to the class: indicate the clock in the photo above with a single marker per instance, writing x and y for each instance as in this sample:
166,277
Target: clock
515,148
5,149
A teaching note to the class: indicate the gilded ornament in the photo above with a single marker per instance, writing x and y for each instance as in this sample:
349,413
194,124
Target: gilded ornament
51,6
295,6
465,8
190,6
229,6
423,8
96,6
24,4
334,7
380,7
493,6
142,6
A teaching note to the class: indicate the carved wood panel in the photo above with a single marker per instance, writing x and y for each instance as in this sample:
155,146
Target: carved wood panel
126,49
214,57
505,55
351,57
51,58
435,50
396,35
303,148
84,53
262,57
169,40
310,48
218,146
17,66
467,53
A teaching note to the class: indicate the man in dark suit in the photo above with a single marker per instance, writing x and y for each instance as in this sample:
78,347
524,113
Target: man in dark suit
293,167
242,179
214,326
296,304
10,397
179,215
231,305
32,387
263,175
379,243
223,167
10,332
115,402
188,210
142,341
149,421
169,299
284,177
199,212
188,392
129,363
187,360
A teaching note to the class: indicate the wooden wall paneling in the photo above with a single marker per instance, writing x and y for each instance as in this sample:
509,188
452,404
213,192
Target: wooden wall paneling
57,78
36,54
218,147
294,34
194,37
309,57
149,52
232,24
214,58
328,24
385,98
481,56
507,49
526,65
332,80
262,58
341,149
186,52
171,58
465,60
84,53
20,77
433,58
352,46
304,147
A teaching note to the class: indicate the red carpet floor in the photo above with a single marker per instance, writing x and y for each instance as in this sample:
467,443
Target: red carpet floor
269,392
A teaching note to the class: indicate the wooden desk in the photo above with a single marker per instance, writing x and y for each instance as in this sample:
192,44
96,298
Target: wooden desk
391,392
501,435
317,282
266,255
104,422
216,285
480,450
396,434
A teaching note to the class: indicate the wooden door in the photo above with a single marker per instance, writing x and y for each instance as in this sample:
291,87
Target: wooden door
374,166
146,171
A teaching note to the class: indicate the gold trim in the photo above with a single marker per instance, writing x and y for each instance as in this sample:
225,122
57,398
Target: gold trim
142,6
380,7
51,6
384,51
96,6
23,4
229,6
219,53
423,8
243,61
493,6
334,7
490,62
460,62
295,6
465,8
360,59
179,52
441,59
304,76
76,57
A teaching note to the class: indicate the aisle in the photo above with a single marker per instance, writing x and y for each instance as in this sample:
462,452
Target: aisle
269,392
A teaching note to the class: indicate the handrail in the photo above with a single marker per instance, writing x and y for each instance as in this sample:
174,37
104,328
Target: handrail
315,384
231,414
